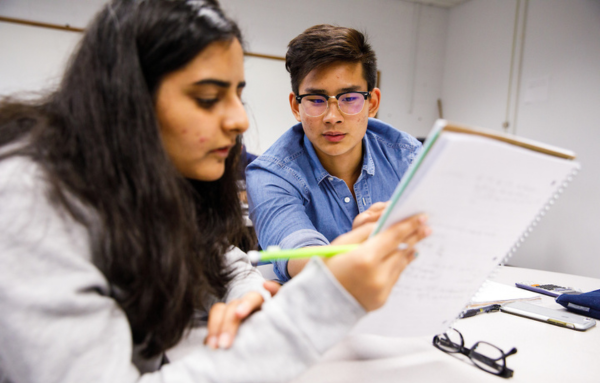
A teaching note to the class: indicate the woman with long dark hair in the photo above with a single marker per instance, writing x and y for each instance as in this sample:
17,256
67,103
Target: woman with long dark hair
119,217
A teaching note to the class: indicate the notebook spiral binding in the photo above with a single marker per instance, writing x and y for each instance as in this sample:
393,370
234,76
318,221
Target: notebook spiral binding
560,189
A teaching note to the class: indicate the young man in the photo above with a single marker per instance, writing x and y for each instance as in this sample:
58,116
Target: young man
308,188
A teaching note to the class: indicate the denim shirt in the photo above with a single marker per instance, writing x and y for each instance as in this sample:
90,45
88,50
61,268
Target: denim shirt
294,202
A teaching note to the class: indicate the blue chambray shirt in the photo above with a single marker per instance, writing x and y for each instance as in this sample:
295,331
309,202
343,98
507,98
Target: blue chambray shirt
294,202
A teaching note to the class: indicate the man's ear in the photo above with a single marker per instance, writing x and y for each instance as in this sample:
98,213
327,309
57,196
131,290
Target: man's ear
374,102
295,106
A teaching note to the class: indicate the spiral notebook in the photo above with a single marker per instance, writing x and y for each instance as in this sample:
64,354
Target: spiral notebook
483,191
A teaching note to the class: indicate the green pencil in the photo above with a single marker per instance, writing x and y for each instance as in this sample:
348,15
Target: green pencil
274,252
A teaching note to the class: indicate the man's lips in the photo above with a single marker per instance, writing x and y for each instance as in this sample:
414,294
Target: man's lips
334,136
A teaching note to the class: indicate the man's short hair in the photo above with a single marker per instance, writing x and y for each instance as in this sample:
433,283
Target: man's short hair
324,44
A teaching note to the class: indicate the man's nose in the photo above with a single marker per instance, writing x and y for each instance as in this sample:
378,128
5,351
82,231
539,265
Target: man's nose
333,114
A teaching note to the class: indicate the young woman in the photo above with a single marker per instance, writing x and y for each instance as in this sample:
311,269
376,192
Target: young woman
119,218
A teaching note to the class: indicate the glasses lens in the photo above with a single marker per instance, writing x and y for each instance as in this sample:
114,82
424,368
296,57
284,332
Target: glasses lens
487,357
451,341
351,103
314,106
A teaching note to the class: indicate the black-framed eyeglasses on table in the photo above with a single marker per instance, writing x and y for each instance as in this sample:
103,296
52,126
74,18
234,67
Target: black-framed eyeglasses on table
484,355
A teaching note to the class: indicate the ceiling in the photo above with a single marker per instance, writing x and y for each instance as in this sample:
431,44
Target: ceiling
439,3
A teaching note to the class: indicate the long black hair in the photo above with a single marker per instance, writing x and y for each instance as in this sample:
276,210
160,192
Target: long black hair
158,238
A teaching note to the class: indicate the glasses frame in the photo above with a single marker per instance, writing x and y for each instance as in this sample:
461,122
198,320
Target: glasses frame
504,372
366,95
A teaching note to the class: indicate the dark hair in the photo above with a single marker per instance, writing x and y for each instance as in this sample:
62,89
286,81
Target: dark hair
324,44
158,238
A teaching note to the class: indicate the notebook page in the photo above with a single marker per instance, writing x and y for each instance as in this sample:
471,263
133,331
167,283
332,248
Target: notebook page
497,293
481,196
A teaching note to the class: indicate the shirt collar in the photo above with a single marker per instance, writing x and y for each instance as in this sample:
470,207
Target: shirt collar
319,171
368,163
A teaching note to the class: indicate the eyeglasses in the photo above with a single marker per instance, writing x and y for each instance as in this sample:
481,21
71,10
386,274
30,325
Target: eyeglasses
484,355
315,104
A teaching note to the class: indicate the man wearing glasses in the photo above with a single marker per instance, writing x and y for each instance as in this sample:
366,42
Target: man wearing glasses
308,188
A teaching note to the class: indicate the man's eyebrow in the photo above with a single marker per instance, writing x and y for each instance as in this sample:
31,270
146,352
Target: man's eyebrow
352,88
315,90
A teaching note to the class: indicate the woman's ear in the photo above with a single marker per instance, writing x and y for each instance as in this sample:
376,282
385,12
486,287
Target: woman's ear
374,102
295,106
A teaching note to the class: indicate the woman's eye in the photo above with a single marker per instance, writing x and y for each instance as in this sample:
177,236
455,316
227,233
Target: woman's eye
206,103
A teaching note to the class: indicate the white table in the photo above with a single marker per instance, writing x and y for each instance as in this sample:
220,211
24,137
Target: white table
546,353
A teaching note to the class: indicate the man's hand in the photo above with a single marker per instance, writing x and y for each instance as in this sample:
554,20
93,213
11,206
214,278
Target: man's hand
372,214
224,319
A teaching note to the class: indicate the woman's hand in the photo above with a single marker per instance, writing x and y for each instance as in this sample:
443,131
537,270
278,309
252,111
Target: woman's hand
372,214
370,271
224,319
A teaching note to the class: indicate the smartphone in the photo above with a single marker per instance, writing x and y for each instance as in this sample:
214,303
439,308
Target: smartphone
548,289
557,317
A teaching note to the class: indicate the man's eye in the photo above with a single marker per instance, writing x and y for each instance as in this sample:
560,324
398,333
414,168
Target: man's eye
316,100
349,99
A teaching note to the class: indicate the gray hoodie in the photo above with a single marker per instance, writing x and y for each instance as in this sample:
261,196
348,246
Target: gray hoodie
59,324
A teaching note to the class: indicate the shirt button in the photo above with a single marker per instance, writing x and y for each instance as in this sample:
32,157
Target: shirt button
347,199
330,178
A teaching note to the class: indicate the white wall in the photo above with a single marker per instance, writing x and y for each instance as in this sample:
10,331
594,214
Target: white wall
33,58
462,55
409,40
266,100
557,102
477,62
410,87
75,13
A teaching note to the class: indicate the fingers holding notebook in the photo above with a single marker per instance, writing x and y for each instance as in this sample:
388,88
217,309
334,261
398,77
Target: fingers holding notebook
370,271
372,214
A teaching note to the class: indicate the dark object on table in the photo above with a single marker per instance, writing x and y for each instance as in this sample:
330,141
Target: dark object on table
587,304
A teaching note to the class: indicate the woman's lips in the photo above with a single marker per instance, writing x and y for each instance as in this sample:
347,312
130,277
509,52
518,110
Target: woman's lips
223,151
334,136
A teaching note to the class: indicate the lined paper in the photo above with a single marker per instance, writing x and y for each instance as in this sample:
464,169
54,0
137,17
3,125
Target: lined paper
482,197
